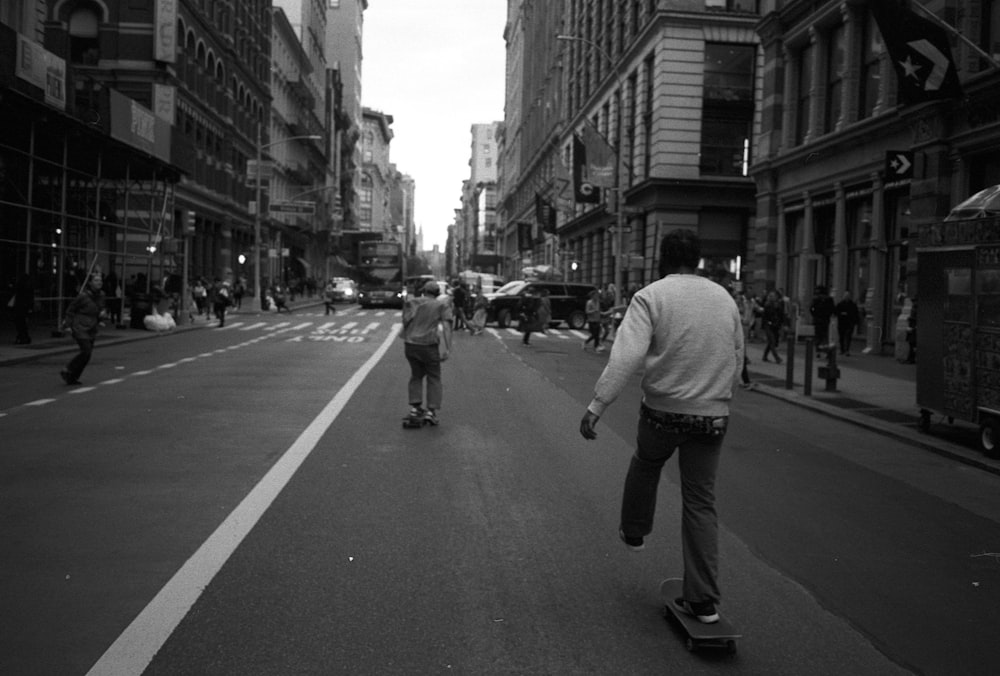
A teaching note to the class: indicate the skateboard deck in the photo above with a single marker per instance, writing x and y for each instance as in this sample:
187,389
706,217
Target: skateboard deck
719,634
413,422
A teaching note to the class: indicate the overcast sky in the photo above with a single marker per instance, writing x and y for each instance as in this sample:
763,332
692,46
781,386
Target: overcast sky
436,66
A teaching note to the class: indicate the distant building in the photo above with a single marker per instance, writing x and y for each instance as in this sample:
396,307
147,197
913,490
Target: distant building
477,232
683,78
374,215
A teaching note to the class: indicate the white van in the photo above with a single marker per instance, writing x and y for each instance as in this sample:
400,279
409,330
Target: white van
488,282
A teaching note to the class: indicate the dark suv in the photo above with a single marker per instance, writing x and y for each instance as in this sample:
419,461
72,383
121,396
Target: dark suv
569,302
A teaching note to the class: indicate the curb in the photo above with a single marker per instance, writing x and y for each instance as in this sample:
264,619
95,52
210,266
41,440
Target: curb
940,447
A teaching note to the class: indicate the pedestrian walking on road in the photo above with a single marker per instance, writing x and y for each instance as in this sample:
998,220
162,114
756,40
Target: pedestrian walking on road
848,318
461,301
220,300
527,313
544,311
83,316
427,330
594,315
685,332
479,309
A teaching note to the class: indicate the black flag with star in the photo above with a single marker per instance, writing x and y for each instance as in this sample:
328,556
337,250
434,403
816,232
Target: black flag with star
920,52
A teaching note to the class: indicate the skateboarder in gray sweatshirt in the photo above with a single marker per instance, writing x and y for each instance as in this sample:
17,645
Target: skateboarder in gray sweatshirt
684,332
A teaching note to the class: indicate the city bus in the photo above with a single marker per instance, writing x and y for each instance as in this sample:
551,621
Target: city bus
380,268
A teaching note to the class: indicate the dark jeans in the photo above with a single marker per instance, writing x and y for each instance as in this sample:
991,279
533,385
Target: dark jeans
82,358
595,334
21,325
846,333
772,334
698,461
425,363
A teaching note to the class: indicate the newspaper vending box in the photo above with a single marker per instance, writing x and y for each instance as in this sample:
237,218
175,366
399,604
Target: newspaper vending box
958,324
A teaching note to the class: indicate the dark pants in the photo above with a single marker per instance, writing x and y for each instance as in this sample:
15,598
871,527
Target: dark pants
698,461
82,358
595,334
21,324
773,334
846,333
425,363
220,313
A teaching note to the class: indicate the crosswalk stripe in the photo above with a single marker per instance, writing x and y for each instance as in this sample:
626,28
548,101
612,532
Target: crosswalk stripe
251,327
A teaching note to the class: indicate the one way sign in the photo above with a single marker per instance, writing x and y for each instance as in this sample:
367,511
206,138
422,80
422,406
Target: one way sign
898,165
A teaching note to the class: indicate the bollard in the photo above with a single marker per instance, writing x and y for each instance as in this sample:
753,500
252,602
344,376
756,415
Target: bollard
830,373
790,363
807,387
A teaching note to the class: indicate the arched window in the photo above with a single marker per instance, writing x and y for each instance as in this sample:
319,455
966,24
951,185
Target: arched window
83,33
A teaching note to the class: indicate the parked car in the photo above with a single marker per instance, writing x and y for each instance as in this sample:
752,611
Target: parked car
568,300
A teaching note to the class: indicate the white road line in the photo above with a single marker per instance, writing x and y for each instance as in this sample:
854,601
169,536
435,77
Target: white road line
232,325
579,334
273,327
39,402
132,652
142,373
324,327
185,360
204,354
306,325
251,327
81,390
113,381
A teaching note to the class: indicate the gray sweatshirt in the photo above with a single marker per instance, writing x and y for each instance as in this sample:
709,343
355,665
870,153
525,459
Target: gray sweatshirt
684,332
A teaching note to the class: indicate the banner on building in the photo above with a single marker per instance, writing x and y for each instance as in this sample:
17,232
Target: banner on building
584,191
600,166
42,68
524,241
139,127
545,214
920,52
166,31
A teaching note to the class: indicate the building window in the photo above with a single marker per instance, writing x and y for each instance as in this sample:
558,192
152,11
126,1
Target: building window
989,26
870,78
802,101
727,109
83,32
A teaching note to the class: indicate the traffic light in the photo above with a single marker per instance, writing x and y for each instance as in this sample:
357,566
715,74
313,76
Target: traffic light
189,222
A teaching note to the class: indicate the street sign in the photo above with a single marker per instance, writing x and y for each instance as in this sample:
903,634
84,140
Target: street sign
305,208
898,165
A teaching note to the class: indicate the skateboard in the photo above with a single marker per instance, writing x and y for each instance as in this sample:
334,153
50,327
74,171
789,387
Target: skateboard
719,634
412,422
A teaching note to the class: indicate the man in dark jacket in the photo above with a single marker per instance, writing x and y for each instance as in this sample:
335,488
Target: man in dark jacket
24,302
82,318
848,318
822,309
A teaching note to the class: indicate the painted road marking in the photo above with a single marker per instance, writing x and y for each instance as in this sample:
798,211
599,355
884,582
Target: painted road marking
253,326
39,402
133,651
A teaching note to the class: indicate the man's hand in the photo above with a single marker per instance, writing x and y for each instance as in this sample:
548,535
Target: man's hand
587,425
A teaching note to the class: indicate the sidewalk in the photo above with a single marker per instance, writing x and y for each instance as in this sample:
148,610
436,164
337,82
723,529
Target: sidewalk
873,391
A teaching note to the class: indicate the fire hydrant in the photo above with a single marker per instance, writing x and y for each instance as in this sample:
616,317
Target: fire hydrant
830,373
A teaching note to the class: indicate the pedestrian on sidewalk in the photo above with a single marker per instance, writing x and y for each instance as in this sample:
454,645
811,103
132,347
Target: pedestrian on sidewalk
773,318
480,307
83,316
685,332
822,308
427,330
22,303
848,318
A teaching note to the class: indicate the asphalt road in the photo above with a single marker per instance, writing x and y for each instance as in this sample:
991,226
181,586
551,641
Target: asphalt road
245,501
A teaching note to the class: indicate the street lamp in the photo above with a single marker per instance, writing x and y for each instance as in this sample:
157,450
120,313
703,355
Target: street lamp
257,205
620,222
